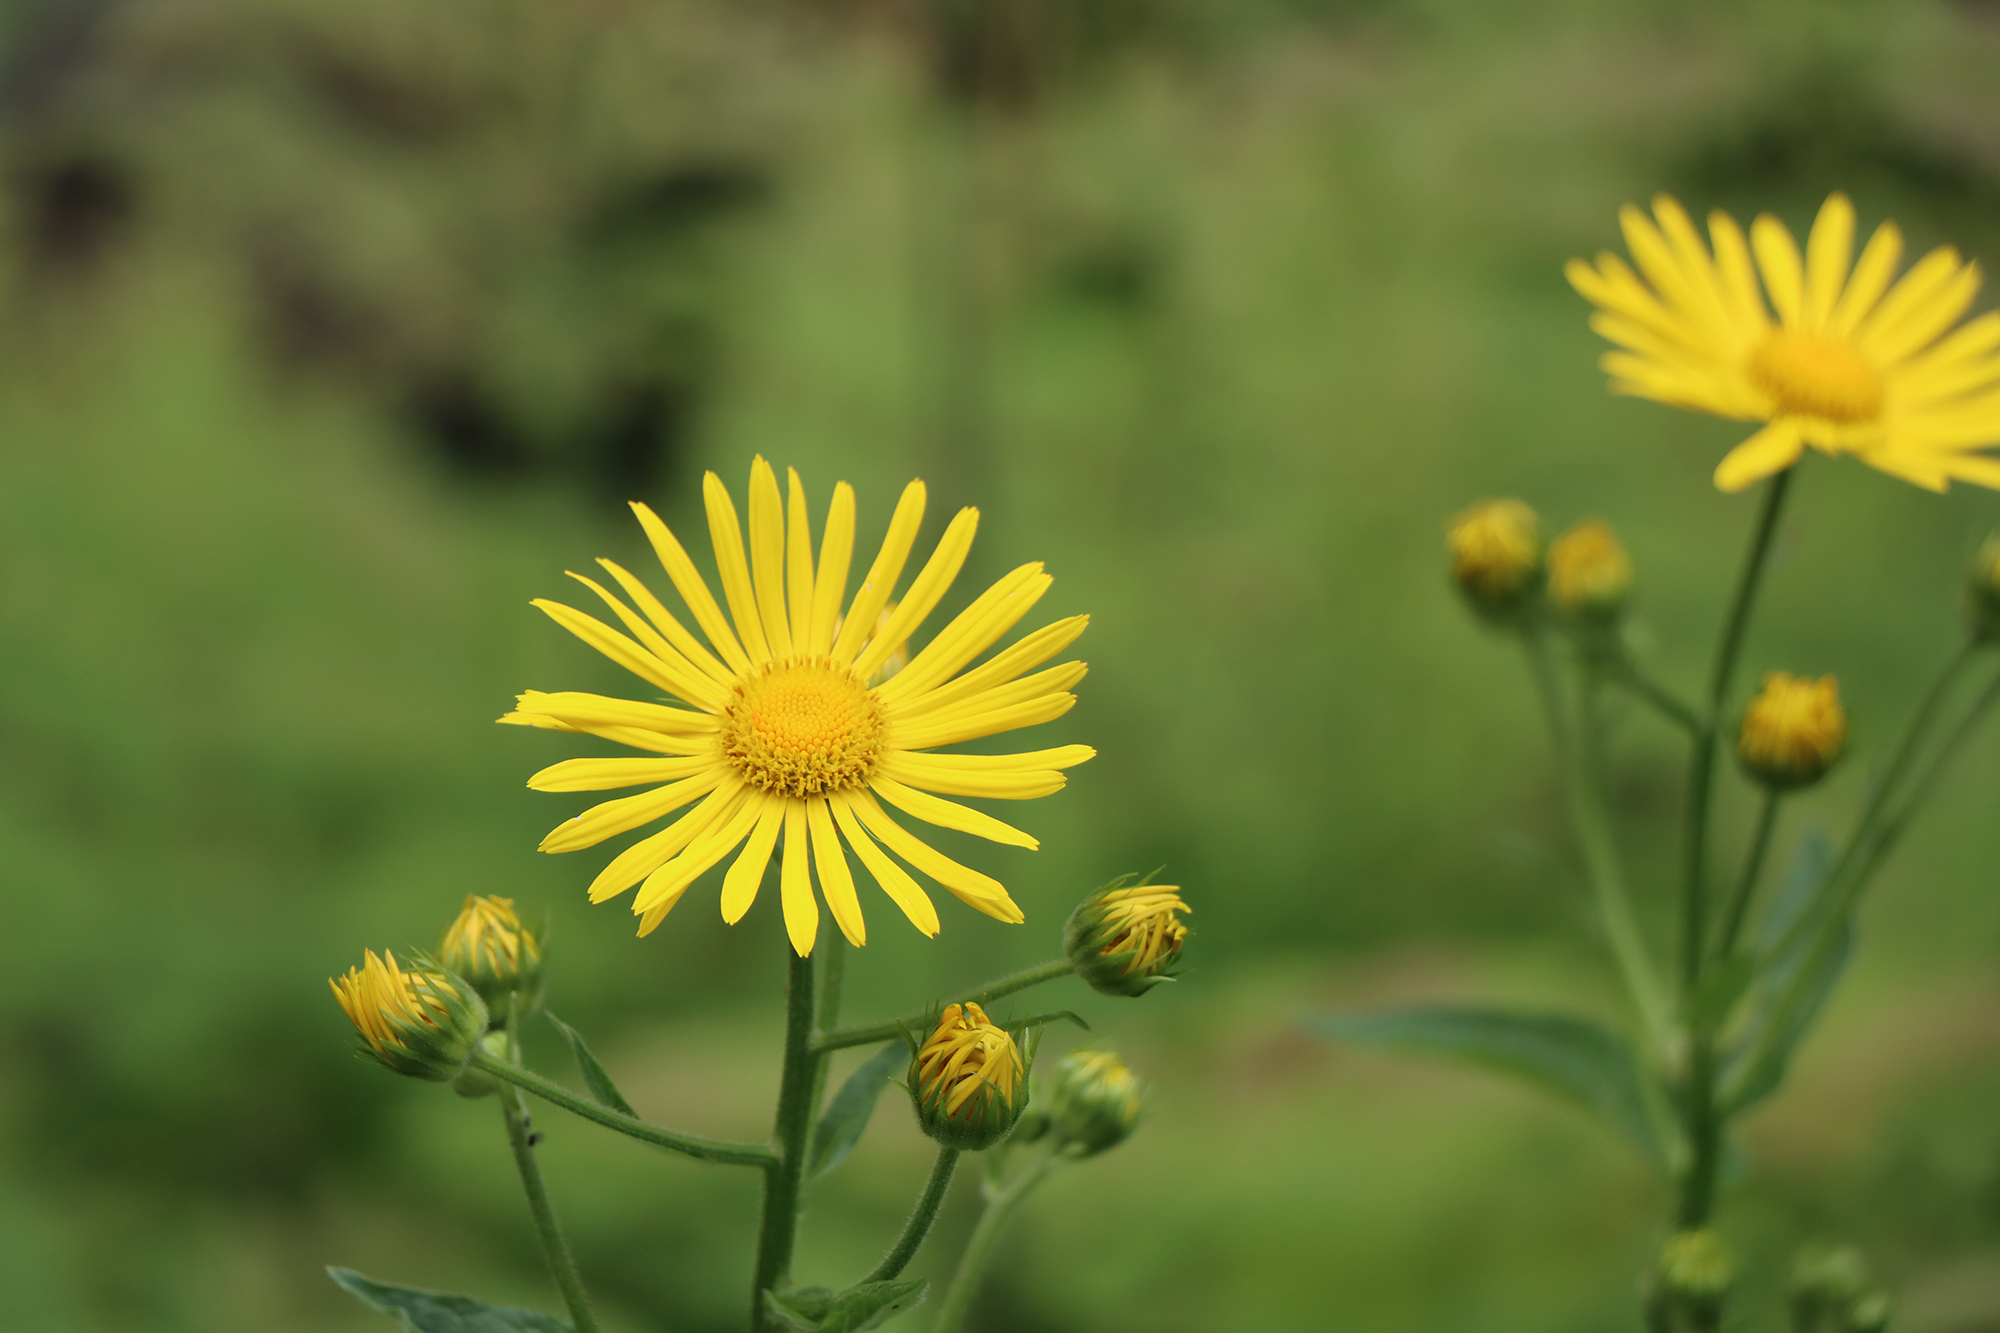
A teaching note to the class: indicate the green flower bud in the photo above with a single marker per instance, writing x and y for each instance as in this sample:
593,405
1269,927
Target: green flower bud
1793,731
1590,572
1496,556
1093,1101
1829,1288
1125,939
968,1080
1982,591
421,1021
489,947
1690,1282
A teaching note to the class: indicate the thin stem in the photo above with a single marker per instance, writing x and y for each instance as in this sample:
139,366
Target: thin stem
985,1239
562,1265
919,1225
1753,866
1701,773
826,1012
780,1226
1579,759
711,1150
993,990
1624,671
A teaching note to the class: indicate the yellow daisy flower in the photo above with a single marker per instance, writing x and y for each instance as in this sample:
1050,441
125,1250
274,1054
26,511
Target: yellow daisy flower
784,721
1850,364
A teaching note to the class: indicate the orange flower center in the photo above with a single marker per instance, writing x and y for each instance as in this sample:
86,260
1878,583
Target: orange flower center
1810,376
802,727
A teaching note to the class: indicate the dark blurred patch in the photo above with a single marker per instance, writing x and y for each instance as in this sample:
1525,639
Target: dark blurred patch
1121,273
467,428
642,431
680,198
398,106
1829,122
307,317
58,38
74,210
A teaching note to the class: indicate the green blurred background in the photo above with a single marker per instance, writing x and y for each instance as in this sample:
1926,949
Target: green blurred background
334,330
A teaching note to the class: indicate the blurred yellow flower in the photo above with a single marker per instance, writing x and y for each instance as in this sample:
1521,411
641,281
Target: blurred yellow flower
1850,365
783,729
1495,550
1793,730
1590,571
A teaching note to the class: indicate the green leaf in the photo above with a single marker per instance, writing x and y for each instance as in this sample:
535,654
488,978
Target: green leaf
1571,1057
431,1312
599,1082
862,1306
1798,892
847,1114
1043,1020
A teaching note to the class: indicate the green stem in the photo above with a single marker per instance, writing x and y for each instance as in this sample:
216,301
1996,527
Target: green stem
993,990
826,1012
1753,866
711,1150
562,1265
1704,1121
1581,765
1701,773
920,1221
1624,671
985,1239
780,1226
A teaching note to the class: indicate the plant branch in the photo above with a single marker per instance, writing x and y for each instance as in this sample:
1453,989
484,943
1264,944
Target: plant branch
991,991
921,1218
710,1150
562,1265
1753,866
779,1230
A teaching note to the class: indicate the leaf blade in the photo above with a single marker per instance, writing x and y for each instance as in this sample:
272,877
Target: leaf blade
846,1116
600,1084
420,1311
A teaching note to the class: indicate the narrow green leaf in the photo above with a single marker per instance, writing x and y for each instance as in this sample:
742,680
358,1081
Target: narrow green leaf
846,1116
1043,1020
862,1306
1721,989
599,1082
432,1312
1798,892
1571,1057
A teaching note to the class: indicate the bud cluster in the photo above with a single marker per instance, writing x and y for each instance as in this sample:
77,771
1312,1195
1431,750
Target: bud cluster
968,1080
1124,939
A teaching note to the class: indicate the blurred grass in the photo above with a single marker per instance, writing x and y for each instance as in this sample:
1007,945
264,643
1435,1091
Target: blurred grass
333,334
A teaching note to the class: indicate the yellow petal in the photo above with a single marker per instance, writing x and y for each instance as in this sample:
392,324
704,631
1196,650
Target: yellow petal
971,632
1778,260
740,885
893,879
950,814
882,575
683,677
968,885
688,582
1829,248
1871,278
836,549
1770,450
664,887
627,812
767,556
675,632
727,537
606,774
1033,650
925,592
835,880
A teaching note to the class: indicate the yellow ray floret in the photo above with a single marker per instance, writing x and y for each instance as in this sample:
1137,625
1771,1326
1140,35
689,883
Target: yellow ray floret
1845,357
802,709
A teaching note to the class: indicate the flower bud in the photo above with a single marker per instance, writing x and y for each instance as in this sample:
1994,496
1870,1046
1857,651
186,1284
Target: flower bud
1496,556
968,1080
1829,1290
1982,591
489,947
1589,572
1793,731
1093,1101
1125,939
1690,1282
420,1021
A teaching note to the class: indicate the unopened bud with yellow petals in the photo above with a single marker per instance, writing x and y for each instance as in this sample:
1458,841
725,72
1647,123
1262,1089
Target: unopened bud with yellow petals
1793,731
1590,572
420,1021
489,947
1125,938
1093,1101
1496,555
968,1080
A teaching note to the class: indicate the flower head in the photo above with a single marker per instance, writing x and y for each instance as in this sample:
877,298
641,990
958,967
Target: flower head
1792,731
489,947
784,720
968,1080
1496,553
1850,364
1093,1101
1124,939
419,1021
1589,571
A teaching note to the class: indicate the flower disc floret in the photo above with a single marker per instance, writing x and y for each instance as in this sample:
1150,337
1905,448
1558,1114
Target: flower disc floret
1793,731
968,1080
802,728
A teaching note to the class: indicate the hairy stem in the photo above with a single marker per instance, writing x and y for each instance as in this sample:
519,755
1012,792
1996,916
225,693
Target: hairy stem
991,991
562,1265
919,1225
782,1180
711,1150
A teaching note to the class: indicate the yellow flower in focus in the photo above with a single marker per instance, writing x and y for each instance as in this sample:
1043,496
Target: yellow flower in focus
780,724
415,1021
1793,730
1124,940
1495,550
1851,364
1590,571
489,947
968,1080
